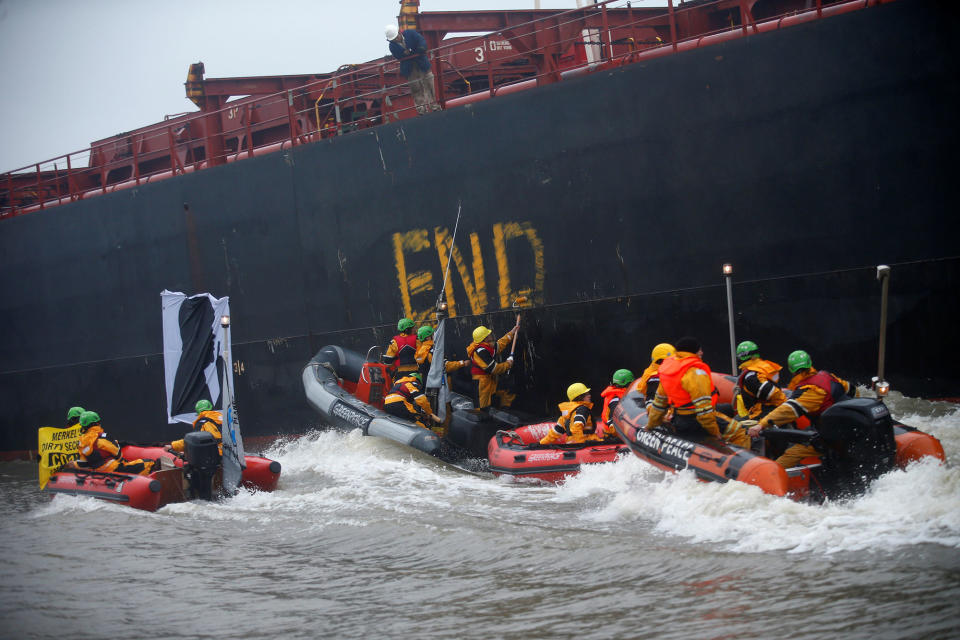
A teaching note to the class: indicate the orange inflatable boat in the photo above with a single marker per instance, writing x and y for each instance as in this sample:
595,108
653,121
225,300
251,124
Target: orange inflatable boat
858,438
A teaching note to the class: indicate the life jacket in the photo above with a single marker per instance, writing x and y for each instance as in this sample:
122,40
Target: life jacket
824,380
671,373
608,395
567,410
90,454
402,392
406,350
486,351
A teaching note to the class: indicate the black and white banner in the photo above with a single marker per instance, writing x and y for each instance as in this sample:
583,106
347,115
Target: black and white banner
192,350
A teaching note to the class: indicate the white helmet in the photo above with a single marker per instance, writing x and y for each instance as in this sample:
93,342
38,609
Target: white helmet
391,31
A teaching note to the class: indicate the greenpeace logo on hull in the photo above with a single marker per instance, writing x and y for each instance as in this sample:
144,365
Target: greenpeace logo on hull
666,446
350,415
544,457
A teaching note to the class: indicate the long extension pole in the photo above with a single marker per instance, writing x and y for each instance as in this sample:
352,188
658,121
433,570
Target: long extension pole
446,271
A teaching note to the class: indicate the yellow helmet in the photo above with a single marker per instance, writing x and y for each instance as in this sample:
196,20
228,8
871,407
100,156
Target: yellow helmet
480,333
576,390
661,351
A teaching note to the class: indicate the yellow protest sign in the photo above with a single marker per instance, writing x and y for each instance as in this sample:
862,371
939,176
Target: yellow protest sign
56,446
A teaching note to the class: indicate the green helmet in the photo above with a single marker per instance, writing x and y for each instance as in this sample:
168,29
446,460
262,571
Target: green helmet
203,405
88,418
622,377
424,332
73,414
799,360
417,376
746,350
405,324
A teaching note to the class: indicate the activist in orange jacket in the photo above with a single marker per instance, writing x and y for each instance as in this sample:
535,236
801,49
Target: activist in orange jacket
424,355
814,392
484,368
207,420
575,421
611,398
102,454
406,400
757,390
686,385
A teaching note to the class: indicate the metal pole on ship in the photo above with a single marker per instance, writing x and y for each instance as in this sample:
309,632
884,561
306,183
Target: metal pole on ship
728,276
880,385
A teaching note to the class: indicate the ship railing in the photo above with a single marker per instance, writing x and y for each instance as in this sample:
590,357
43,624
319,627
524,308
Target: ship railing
545,49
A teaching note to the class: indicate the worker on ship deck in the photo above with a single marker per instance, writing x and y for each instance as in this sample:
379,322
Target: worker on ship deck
650,378
102,454
484,368
207,420
813,393
406,400
424,355
757,391
687,386
410,48
611,398
575,421
402,350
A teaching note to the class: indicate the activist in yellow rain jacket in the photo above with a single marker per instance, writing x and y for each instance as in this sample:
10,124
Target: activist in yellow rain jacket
207,420
406,400
650,378
102,454
575,420
814,392
484,368
687,386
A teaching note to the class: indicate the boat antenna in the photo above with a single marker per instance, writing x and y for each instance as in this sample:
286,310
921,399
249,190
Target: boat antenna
446,272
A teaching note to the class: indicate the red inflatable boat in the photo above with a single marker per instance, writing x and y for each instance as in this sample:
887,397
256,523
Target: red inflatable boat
519,453
159,488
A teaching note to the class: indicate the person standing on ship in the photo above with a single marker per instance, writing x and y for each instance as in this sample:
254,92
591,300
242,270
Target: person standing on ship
813,393
484,368
207,420
650,379
686,385
99,453
402,350
406,400
424,355
575,421
757,392
611,398
410,48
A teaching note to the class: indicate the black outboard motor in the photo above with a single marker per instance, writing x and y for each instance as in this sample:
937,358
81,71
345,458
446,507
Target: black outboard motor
857,440
202,457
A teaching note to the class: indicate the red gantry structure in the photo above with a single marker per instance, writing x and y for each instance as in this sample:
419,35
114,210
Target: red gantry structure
245,117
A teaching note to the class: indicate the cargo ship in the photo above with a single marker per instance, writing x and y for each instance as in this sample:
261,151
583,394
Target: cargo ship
607,161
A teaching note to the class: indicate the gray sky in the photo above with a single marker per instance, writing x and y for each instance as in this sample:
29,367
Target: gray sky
75,71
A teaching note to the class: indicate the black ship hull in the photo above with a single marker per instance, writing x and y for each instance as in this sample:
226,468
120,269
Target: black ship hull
805,157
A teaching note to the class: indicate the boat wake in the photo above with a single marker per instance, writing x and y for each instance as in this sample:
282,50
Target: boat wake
334,480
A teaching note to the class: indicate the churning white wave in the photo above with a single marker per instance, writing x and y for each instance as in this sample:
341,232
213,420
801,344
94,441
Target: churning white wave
331,479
